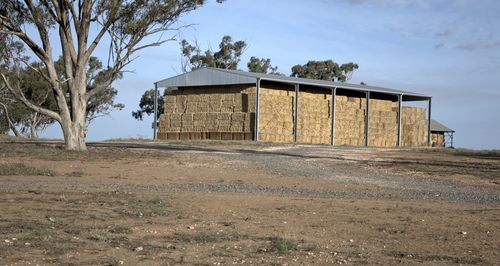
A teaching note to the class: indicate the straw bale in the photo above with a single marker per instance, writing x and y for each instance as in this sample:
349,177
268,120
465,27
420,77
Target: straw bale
224,123
224,116
193,98
200,116
236,127
170,99
224,128
187,119
202,107
238,117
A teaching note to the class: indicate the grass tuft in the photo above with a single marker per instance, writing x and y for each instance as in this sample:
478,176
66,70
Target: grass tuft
76,173
206,237
22,169
118,229
282,245
199,237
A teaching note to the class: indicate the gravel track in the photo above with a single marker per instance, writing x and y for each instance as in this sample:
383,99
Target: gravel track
464,196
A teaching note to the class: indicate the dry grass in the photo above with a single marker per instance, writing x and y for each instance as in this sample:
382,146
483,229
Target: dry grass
22,169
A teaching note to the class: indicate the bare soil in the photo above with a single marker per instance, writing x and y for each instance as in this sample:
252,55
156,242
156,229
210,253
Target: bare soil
211,203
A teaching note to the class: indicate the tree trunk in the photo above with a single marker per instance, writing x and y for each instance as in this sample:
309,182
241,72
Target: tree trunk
73,124
15,131
34,123
33,134
74,136
9,122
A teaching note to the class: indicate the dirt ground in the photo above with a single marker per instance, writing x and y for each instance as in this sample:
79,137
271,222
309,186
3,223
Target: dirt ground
242,203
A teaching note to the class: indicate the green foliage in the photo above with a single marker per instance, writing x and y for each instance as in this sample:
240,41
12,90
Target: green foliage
103,102
227,57
146,105
262,65
324,70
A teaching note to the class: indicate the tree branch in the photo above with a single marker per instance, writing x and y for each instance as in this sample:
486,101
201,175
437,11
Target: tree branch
20,96
42,29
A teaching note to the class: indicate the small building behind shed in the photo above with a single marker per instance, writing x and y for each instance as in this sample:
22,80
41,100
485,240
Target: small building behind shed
441,135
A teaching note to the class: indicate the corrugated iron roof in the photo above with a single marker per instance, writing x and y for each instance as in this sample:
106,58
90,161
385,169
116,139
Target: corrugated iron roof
438,127
215,76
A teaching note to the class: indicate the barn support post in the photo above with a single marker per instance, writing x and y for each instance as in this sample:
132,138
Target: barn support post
155,118
257,107
400,118
451,142
296,115
332,115
429,123
367,117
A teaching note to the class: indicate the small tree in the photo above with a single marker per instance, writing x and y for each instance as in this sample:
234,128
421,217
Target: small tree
147,105
127,24
262,65
227,57
325,70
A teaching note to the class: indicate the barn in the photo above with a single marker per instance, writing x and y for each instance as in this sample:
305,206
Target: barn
220,104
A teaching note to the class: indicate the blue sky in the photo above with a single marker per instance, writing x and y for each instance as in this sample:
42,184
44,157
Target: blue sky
449,49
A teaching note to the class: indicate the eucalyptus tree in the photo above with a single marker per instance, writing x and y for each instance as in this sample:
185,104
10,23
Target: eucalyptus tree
77,27
325,70
226,57
262,65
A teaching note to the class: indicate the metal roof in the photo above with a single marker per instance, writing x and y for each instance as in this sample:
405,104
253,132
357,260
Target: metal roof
436,126
207,76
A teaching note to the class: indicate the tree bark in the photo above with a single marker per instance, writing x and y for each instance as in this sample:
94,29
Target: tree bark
33,134
74,125
74,136
34,123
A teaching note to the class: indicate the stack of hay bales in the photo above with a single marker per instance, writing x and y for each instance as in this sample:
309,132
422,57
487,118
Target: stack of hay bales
437,139
314,120
414,127
276,114
382,123
350,120
227,112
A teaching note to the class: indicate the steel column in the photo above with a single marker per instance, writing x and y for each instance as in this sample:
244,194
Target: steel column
367,117
155,119
429,124
257,103
332,115
400,118
296,114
